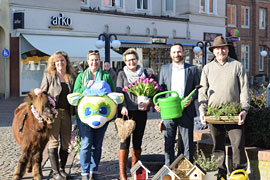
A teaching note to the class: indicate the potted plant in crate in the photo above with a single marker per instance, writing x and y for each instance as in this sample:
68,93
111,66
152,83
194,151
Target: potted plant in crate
226,114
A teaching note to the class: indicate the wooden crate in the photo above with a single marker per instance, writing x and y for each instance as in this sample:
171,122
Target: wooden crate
222,119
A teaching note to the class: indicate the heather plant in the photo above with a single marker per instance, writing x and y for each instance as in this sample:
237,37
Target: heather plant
229,110
207,163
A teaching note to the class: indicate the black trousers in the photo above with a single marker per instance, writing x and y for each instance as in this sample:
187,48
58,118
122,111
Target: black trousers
140,118
237,139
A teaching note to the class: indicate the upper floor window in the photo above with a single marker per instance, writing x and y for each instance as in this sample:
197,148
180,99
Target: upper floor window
208,6
231,15
169,5
112,3
142,4
245,17
262,18
245,56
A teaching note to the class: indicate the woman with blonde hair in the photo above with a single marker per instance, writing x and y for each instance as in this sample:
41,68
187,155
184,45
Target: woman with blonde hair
91,139
58,81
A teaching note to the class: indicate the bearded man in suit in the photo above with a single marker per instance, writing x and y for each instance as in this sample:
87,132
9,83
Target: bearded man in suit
180,77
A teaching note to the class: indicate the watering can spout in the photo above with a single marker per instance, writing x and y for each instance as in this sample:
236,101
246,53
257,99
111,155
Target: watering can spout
183,102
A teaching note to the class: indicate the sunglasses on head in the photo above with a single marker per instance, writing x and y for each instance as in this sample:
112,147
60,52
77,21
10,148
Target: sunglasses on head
93,51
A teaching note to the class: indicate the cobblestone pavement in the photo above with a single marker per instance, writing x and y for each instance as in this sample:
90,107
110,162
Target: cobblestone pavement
10,151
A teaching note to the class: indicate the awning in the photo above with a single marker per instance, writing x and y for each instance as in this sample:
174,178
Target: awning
76,47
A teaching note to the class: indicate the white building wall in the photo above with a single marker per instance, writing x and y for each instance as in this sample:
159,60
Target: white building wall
94,23
84,23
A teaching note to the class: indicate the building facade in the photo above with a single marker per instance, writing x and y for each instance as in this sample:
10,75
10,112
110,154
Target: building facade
250,18
4,44
39,28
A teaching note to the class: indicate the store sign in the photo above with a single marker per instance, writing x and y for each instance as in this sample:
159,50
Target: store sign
61,20
159,41
18,20
210,36
233,39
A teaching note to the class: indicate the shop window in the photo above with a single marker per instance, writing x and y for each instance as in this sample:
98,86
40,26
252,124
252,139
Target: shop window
33,65
245,56
245,17
231,15
142,4
113,3
262,19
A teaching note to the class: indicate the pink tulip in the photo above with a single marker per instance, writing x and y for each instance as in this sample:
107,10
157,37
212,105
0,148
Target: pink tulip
136,83
156,87
151,80
130,86
124,90
146,81
140,79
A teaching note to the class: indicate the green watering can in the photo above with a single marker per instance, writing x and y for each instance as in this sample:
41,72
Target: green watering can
172,107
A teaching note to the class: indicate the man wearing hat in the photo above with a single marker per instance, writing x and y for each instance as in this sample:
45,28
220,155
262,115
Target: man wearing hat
225,81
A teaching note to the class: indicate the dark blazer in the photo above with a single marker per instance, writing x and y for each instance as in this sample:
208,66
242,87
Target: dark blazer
192,79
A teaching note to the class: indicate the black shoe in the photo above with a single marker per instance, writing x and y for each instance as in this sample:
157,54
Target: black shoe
220,177
93,176
64,174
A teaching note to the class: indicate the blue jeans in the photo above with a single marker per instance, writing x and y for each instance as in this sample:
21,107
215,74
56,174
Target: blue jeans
91,147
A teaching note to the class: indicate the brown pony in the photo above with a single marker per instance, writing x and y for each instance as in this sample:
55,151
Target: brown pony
32,121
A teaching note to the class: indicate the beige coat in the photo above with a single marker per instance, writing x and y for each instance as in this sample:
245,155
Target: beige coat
53,86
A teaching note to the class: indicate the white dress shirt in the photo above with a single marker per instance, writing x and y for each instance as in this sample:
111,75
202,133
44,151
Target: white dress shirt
178,79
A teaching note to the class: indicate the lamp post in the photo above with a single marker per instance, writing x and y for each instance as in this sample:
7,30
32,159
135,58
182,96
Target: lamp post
104,40
202,45
263,54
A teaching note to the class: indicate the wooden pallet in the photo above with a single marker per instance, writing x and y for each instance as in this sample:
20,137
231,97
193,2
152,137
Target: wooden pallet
222,119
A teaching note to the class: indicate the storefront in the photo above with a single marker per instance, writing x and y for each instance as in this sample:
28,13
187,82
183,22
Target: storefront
36,49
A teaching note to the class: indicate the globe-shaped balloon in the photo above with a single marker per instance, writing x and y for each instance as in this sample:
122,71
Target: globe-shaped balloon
234,32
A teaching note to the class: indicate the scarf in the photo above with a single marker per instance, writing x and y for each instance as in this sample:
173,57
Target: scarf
132,77
87,76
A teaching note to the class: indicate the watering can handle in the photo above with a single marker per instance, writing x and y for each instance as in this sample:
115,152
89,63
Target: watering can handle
240,171
161,93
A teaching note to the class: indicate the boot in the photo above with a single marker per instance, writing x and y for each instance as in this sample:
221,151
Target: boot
136,155
123,158
63,160
53,154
